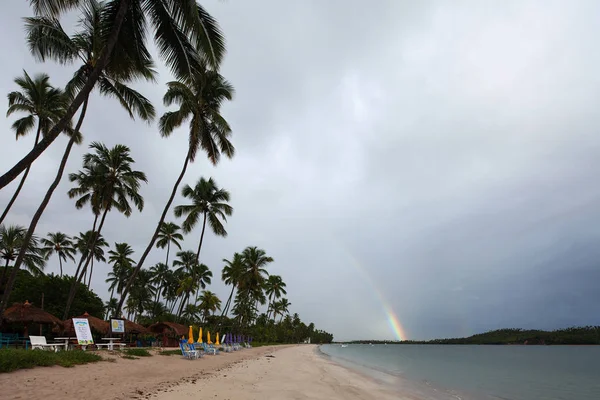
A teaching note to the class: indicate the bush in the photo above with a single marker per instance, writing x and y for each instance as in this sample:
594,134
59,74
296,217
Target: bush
170,353
14,359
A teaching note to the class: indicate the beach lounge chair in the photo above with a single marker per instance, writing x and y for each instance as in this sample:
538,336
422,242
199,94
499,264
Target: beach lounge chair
199,352
39,342
209,350
187,352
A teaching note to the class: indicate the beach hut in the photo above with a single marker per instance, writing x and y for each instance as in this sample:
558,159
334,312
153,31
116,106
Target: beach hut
170,332
26,313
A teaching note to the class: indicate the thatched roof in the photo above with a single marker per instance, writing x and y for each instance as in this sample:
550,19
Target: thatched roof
26,312
97,324
169,327
132,327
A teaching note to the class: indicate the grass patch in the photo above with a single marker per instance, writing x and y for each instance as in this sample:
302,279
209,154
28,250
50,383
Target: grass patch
128,357
170,353
14,359
137,352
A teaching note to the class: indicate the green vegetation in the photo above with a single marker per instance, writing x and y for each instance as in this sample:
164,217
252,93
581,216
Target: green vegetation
14,359
107,51
128,357
137,352
170,353
574,335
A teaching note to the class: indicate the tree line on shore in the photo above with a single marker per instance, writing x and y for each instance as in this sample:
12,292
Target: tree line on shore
108,52
573,335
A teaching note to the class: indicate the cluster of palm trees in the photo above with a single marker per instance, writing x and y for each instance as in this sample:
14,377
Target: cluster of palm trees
109,51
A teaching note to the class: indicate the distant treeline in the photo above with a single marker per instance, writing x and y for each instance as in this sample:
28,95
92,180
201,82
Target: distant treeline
574,335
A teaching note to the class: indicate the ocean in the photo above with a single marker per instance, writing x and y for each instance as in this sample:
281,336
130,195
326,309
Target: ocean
478,372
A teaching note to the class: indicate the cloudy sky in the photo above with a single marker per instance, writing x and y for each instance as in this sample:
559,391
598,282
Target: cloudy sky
440,157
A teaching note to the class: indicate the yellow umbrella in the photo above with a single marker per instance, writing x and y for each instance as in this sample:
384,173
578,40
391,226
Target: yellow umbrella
191,339
217,343
208,337
200,335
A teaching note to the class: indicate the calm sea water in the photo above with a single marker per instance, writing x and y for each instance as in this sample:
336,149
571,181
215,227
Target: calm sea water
479,372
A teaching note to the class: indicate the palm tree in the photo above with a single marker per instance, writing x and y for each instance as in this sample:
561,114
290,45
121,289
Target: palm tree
209,303
107,181
48,40
60,244
191,312
208,202
274,288
231,275
283,306
185,35
199,98
199,274
91,240
42,102
254,277
11,242
169,233
110,306
142,293
122,263
160,274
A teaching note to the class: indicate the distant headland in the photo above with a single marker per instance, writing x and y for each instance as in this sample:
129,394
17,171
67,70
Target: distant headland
568,336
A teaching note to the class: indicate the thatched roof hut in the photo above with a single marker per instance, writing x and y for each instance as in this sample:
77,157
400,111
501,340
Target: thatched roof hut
96,324
169,328
132,327
26,313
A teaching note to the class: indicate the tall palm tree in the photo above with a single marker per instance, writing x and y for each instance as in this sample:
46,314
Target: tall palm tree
142,293
209,203
199,98
122,263
255,274
209,303
199,274
160,274
107,181
169,233
44,104
48,40
283,307
231,275
274,288
185,35
95,242
60,244
11,242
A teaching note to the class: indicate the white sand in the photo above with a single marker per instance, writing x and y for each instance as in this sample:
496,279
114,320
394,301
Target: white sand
294,373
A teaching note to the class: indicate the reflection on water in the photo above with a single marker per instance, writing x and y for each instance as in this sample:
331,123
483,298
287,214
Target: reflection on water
479,372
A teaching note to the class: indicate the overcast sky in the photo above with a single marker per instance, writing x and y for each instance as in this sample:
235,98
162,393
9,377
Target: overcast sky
448,150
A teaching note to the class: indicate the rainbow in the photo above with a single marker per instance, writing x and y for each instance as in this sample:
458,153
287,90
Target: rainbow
392,318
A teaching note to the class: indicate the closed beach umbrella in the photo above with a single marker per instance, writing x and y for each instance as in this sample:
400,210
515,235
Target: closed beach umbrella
217,342
191,335
200,335
208,337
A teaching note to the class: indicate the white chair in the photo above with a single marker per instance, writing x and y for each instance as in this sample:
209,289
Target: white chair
39,342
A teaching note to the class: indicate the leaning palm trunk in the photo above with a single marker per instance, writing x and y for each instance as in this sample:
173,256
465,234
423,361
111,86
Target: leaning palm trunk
226,308
156,231
41,208
89,258
80,99
201,237
16,194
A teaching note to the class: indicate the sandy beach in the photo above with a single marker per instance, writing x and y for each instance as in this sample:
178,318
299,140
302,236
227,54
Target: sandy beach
282,372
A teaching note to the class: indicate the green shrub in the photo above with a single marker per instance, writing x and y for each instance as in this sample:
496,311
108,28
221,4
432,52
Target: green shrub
14,359
137,352
170,353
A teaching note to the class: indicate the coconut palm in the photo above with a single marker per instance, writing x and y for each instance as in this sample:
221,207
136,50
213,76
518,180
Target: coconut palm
191,313
231,275
11,242
209,203
254,277
91,240
122,264
48,40
274,288
199,98
209,303
60,244
44,105
160,274
169,233
186,36
283,307
142,293
106,181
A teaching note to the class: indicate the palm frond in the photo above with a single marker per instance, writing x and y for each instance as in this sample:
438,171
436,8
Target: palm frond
47,39
22,126
130,99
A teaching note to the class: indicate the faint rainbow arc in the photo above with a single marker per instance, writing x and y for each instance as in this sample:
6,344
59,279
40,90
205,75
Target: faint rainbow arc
393,319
